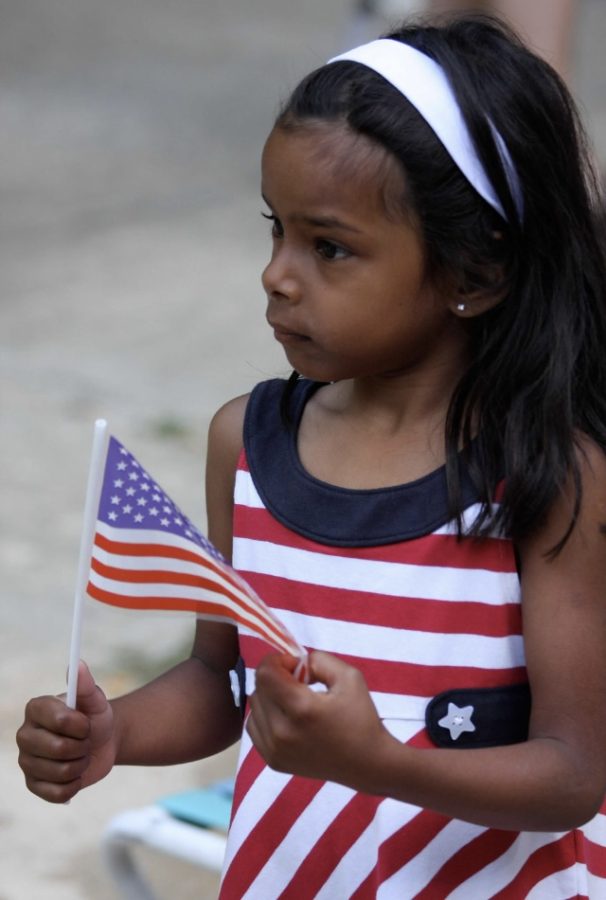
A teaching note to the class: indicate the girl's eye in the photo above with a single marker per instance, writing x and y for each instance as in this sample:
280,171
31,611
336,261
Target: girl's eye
276,226
331,251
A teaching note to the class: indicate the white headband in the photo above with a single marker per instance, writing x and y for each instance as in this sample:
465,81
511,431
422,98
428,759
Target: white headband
424,83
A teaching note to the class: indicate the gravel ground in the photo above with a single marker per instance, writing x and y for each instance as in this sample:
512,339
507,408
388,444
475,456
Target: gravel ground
130,253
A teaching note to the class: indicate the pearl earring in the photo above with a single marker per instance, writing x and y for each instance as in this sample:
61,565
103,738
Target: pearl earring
461,307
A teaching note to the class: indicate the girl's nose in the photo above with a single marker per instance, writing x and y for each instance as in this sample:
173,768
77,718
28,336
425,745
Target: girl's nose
279,277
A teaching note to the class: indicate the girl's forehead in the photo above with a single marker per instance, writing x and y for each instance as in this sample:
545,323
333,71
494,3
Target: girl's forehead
315,156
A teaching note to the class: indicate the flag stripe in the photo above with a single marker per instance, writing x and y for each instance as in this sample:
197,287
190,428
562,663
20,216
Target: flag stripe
149,545
217,611
212,585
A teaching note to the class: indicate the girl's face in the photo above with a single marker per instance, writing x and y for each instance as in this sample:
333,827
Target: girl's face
347,290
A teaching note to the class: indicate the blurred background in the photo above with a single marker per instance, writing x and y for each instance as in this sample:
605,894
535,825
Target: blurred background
130,252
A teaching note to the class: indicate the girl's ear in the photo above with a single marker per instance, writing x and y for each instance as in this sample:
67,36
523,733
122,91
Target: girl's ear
476,289
468,304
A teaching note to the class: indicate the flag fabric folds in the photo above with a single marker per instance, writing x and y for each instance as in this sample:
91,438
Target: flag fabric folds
148,555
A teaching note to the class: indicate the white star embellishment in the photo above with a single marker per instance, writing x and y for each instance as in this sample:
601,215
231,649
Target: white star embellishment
458,720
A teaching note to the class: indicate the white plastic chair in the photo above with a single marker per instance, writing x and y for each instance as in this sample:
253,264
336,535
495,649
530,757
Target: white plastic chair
191,826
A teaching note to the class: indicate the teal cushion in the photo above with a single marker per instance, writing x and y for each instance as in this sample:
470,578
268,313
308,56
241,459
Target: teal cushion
206,807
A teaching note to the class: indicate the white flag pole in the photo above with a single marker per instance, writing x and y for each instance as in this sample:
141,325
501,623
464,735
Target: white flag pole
91,508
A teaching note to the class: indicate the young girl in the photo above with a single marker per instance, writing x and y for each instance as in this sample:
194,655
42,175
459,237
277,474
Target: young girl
423,502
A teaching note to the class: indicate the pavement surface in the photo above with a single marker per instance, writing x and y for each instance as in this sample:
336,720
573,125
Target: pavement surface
130,252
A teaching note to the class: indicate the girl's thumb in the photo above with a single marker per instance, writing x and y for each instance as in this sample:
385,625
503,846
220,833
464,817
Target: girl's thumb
90,699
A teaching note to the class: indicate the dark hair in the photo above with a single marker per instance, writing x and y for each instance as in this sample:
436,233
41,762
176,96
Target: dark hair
537,376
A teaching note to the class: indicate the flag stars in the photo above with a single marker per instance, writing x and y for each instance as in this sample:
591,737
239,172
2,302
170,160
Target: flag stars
132,499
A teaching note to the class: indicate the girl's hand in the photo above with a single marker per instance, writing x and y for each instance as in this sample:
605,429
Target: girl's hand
63,750
327,735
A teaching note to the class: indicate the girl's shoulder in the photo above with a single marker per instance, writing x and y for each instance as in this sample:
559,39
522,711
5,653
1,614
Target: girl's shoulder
229,422
261,406
225,433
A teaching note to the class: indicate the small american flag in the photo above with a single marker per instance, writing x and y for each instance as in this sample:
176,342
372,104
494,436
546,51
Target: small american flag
148,555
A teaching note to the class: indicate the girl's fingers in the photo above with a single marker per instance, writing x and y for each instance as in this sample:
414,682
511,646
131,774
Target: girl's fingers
54,771
51,792
275,680
46,744
326,668
258,722
51,714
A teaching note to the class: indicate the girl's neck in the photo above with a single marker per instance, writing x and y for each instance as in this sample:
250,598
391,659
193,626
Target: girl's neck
376,432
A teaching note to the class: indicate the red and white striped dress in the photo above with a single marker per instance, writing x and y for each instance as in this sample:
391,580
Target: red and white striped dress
418,615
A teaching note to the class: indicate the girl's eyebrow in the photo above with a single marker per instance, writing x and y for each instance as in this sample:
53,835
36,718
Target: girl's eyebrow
320,221
327,222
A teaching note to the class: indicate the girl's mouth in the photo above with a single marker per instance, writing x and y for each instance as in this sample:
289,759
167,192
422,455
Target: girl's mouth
284,336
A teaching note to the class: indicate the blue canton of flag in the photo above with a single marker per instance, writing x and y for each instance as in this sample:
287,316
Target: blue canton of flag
130,498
